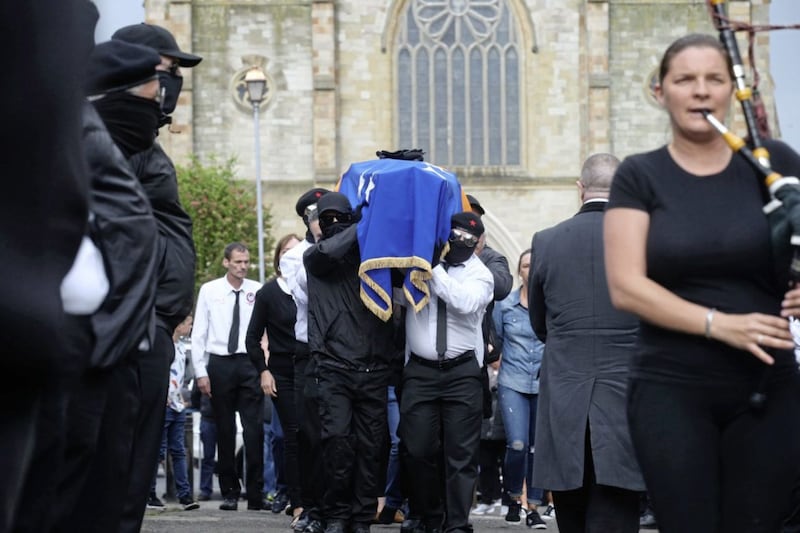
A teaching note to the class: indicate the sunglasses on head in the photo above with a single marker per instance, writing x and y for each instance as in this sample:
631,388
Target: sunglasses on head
331,217
466,237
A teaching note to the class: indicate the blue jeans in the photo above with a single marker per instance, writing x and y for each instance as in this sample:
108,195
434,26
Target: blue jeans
274,478
394,495
269,463
173,438
519,419
208,436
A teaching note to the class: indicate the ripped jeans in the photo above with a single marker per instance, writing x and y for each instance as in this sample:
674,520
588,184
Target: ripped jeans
519,419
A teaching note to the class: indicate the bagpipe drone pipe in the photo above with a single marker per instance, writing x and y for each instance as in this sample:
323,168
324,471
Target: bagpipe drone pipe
783,209
405,205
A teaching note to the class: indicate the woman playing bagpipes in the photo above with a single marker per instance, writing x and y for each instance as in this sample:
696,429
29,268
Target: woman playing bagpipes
688,250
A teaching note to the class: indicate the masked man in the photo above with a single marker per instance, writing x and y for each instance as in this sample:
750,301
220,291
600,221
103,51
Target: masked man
441,407
176,259
352,349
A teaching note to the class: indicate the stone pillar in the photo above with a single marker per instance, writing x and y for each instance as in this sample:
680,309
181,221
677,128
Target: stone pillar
325,100
598,120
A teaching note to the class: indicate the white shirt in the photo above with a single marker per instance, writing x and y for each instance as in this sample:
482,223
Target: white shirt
213,317
85,286
467,289
294,272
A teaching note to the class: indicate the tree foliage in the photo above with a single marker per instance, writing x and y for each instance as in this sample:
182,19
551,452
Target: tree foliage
223,210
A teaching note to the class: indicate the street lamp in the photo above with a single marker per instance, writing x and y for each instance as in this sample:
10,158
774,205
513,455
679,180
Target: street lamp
256,83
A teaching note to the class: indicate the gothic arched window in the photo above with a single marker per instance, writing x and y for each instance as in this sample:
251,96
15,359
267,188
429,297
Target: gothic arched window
458,82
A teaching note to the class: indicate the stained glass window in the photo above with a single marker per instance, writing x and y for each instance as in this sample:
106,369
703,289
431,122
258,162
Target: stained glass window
458,82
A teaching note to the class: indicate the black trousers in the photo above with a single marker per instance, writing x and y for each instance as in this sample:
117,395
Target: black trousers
352,411
286,407
35,513
309,445
235,386
740,464
596,508
100,426
153,370
19,408
491,457
440,425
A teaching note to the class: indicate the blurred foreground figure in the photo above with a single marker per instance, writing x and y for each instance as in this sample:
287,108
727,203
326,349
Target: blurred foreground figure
43,215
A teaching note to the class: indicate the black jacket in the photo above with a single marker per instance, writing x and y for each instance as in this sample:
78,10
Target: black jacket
341,330
124,230
503,282
175,248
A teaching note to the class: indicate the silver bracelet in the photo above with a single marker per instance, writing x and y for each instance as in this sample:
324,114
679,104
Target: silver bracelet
709,320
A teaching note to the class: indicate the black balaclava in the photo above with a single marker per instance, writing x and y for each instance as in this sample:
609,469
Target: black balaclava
459,251
131,120
334,202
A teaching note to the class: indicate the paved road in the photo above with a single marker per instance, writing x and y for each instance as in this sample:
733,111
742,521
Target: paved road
209,519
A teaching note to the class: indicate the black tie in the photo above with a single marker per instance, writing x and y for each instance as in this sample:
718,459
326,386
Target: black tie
441,323
233,336
441,328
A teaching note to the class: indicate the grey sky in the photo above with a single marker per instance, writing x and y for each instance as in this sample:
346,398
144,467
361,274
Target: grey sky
785,45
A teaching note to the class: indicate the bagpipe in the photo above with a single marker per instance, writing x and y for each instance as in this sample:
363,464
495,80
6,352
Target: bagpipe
783,208
406,205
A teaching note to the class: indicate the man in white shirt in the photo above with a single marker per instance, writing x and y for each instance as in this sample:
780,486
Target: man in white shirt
223,312
441,403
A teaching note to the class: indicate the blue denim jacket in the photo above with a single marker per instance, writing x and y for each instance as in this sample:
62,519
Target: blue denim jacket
522,350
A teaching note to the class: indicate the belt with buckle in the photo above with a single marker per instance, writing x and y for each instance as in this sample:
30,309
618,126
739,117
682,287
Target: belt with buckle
444,364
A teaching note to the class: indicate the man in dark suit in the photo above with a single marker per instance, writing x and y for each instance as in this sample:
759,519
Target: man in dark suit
584,453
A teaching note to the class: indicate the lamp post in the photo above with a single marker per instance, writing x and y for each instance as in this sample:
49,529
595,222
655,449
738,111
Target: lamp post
256,83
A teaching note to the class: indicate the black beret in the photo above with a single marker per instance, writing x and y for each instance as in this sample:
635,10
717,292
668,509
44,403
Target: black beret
157,38
475,204
117,65
469,222
308,198
334,201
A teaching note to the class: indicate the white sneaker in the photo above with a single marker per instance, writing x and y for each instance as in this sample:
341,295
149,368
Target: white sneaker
482,509
503,510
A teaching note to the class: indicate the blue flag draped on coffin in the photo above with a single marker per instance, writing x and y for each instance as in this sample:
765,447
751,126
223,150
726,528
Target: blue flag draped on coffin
406,213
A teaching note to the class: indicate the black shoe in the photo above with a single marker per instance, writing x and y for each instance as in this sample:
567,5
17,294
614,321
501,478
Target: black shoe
335,526
188,503
315,526
386,516
154,503
280,503
648,520
229,504
514,510
259,505
534,521
204,498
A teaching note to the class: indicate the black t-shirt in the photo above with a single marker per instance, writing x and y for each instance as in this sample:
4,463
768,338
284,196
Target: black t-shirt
709,243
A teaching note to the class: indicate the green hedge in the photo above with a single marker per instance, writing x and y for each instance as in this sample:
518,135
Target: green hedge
223,210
